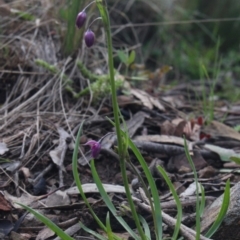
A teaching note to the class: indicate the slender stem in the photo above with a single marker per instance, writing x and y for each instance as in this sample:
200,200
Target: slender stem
88,5
105,17
99,18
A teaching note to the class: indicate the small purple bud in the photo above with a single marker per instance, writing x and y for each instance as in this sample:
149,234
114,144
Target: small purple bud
95,147
89,38
81,18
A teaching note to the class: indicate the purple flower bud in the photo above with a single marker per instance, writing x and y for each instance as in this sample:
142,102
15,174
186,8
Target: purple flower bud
89,38
81,18
95,147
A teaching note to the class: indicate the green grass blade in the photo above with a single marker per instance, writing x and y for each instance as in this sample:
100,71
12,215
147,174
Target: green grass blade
157,216
124,140
78,181
48,223
222,213
93,233
203,201
109,229
198,218
176,198
145,227
72,37
108,202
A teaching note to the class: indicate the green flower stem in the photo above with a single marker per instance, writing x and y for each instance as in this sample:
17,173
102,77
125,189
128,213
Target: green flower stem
102,6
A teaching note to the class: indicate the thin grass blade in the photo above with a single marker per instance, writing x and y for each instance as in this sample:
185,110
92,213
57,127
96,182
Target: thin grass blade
48,223
109,229
176,198
203,201
78,181
91,232
145,227
222,213
157,216
108,202
189,158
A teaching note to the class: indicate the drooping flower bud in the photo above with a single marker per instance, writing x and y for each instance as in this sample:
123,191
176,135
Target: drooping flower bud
95,147
81,18
89,38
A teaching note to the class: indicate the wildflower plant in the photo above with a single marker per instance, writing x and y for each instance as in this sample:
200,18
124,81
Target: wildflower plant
95,147
124,143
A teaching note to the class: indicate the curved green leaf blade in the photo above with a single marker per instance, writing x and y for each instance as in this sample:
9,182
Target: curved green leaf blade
189,158
48,223
108,202
78,181
176,198
145,227
222,213
93,233
157,212
109,229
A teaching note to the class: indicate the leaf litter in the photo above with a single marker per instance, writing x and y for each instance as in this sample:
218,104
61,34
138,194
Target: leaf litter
39,120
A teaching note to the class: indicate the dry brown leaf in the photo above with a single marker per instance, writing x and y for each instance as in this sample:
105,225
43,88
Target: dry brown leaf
25,199
207,172
26,172
147,100
57,198
167,128
191,190
180,162
174,101
143,96
192,131
3,148
18,236
92,188
156,103
217,129
58,154
4,204
124,100
45,233
164,139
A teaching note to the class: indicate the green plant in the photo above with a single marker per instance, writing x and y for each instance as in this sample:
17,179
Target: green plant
200,207
208,100
71,37
124,143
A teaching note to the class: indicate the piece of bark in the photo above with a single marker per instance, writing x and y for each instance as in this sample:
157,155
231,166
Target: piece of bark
229,229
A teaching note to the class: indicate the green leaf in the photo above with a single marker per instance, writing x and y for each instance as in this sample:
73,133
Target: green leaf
237,128
4,160
123,56
235,159
48,223
189,158
224,153
78,181
131,57
108,201
176,198
156,210
222,213
109,229
203,200
26,16
145,227
91,232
